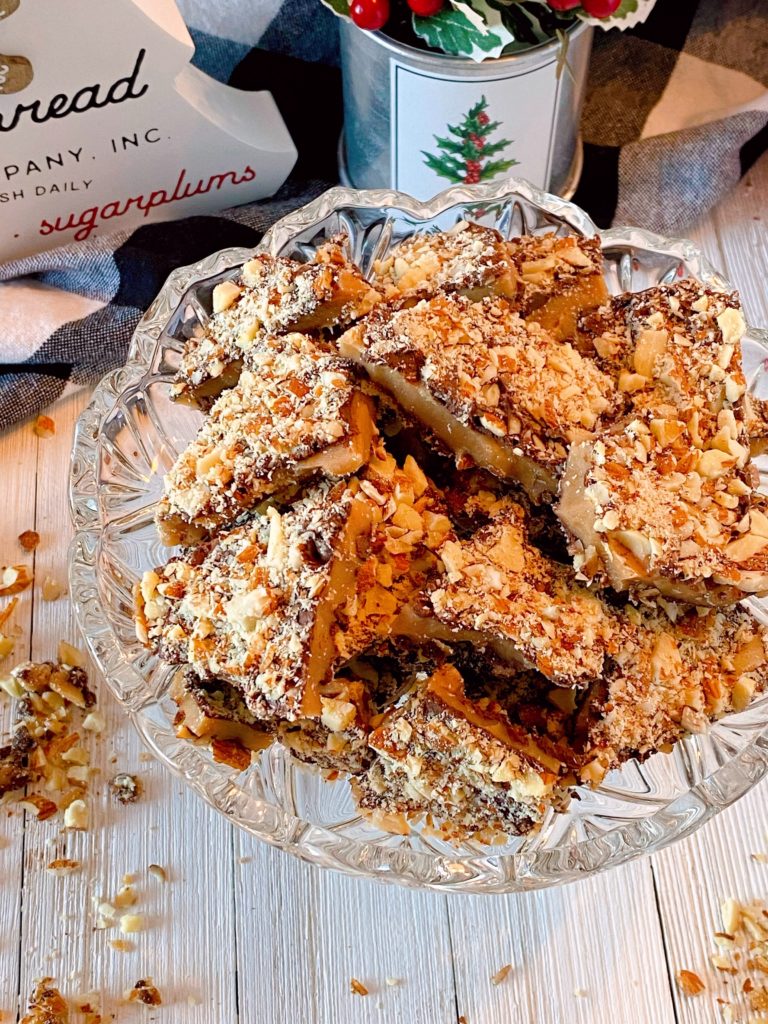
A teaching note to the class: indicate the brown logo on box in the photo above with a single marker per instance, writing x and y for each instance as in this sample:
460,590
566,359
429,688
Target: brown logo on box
15,74
7,7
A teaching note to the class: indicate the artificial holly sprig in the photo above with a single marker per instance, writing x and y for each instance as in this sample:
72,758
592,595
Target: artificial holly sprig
374,14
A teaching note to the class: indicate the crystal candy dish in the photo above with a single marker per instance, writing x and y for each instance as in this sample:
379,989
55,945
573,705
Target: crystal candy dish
130,434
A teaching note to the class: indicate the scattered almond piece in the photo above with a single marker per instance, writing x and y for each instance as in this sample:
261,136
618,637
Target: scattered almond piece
63,866
125,788
52,589
14,579
76,816
12,686
357,987
130,923
94,722
392,982
158,872
144,992
126,897
7,644
29,540
730,914
106,915
122,945
40,806
46,1005
8,611
69,655
44,426
501,974
690,983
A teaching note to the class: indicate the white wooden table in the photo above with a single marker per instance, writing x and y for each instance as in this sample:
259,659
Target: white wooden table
245,933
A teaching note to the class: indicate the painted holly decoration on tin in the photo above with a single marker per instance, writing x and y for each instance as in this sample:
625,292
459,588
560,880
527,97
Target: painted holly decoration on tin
463,155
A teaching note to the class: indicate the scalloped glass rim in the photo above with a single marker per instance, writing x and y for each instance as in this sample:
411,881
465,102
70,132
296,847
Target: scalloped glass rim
471,869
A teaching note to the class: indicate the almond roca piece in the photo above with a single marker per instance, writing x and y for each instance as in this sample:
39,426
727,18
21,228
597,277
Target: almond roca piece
296,412
503,591
272,295
255,606
488,385
547,278
464,763
469,259
667,680
272,605
667,499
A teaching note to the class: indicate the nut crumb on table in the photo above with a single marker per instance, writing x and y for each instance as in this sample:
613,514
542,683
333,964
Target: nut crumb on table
125,788
45,747
501,974
44,426
144,991
29,540
46,1005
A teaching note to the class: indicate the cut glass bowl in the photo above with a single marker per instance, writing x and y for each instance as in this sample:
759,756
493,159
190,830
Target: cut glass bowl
127,439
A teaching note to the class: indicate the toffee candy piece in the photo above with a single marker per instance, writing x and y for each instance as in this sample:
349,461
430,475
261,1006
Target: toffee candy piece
468,259
503,592
462,762
338,739
296,412
273,295
666,501
215,710
273,605
255,606
487,384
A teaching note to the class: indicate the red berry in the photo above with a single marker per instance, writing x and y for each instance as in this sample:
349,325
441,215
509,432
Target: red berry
600,8
483,118
426,8
369,14
564,5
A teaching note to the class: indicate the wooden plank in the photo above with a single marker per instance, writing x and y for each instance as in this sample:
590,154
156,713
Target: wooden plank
304,933
18,454
186,947
587,952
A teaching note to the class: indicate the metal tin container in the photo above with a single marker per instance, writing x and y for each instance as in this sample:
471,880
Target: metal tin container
403,106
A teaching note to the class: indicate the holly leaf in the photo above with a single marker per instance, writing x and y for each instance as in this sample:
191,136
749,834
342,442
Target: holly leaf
488,19
445,167
451,31
340,7
494,167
